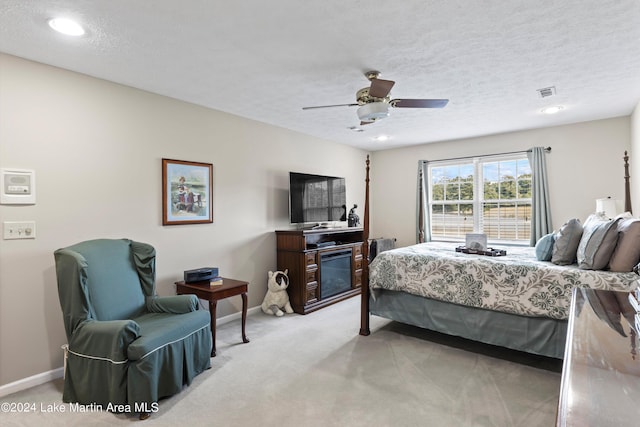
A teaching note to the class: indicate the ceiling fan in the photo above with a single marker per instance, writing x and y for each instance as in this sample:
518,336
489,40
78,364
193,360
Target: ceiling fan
374,101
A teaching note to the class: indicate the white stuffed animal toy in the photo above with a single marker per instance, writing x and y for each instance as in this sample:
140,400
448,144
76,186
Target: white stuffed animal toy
277,297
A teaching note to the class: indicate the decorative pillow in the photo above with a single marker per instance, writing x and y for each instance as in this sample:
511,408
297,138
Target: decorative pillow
544,247
566,242
599,239
627,254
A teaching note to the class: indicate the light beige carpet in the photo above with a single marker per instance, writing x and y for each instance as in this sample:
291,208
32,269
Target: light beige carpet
315,370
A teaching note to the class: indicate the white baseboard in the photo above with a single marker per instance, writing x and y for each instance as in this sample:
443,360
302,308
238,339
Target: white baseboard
235,316
32,381
44,377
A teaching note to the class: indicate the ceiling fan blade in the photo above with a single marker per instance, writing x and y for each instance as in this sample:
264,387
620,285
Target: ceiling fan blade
365,123
380,88
329,106
418,103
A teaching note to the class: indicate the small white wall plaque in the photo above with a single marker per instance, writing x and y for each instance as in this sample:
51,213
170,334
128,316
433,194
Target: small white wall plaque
17,187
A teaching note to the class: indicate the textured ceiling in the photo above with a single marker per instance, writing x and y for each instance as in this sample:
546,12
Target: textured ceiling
265,60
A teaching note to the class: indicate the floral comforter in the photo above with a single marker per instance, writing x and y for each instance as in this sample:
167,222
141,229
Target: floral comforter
516,283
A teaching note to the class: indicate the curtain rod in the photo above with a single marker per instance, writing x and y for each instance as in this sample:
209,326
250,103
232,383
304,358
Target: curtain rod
546,149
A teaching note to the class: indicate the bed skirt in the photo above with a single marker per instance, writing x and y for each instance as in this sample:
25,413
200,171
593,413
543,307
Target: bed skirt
535,335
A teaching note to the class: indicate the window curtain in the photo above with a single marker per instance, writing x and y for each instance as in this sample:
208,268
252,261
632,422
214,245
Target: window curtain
423,229
540,208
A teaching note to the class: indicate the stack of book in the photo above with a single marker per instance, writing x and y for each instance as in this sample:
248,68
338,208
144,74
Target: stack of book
216,281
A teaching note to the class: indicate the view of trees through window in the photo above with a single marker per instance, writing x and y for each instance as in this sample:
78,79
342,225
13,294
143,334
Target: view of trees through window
481,196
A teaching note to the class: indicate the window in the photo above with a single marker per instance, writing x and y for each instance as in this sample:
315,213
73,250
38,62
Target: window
481,195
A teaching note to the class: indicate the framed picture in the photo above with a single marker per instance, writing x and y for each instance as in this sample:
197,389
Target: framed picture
187,192
477,242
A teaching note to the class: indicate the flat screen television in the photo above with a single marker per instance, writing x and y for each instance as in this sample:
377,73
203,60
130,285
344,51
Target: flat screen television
316,198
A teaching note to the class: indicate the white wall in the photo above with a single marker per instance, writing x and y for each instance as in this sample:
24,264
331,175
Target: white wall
96,148
585,164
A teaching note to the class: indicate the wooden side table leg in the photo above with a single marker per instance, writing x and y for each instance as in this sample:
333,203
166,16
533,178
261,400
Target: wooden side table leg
212,312
244,317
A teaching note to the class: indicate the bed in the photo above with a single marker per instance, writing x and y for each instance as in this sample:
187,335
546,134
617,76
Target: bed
514,301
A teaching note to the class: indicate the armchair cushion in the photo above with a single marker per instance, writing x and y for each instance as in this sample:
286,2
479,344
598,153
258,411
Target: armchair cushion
158,330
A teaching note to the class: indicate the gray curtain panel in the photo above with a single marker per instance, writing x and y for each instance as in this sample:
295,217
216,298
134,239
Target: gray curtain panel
540,208
423,229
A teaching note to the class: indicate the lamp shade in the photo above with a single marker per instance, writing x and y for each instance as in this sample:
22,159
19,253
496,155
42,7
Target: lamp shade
606,207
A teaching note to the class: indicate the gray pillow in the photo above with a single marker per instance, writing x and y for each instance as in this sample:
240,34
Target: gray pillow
544,247
599,238
566,242
627,253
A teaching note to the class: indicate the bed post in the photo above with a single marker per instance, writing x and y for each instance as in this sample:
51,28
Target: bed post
364,293
627,189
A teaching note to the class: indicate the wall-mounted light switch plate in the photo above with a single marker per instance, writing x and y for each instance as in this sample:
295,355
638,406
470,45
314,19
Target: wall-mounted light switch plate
19,230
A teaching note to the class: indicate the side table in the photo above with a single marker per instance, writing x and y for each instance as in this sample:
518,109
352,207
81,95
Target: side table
213,294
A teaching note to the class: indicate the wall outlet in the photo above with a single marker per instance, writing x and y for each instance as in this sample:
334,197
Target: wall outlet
19,230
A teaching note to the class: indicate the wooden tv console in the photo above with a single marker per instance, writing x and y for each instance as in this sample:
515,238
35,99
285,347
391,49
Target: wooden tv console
300,251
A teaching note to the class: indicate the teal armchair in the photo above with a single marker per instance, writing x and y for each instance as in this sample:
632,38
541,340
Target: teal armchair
126,345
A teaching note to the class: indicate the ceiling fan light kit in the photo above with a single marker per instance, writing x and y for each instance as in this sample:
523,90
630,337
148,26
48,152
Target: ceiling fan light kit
373,111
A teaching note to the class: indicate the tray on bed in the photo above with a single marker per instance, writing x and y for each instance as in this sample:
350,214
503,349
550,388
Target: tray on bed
488,252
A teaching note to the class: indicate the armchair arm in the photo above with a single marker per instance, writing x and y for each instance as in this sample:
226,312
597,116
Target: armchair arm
175,304
104,339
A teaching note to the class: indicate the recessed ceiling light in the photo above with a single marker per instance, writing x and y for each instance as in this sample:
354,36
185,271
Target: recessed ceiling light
552,110
381,138
66,26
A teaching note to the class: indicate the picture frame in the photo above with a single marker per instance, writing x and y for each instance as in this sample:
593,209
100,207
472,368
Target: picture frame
476,241
187,192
